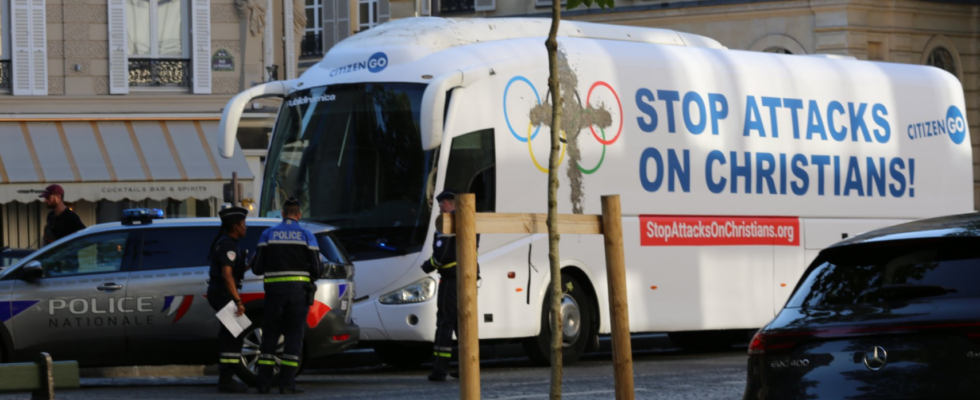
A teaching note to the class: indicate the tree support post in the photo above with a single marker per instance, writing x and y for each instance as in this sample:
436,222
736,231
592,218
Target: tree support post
612,233
466,256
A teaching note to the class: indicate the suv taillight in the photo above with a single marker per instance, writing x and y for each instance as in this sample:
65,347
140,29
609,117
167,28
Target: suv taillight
764,343
758,346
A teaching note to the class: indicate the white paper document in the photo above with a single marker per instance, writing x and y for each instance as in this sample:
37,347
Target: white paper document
235,324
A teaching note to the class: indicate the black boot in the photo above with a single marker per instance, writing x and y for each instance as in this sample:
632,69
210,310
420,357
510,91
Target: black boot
228,384
439,367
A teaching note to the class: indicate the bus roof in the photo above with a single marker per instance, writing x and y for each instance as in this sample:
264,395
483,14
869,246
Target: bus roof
437,34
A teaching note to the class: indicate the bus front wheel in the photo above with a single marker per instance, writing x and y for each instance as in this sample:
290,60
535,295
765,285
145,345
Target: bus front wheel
577,329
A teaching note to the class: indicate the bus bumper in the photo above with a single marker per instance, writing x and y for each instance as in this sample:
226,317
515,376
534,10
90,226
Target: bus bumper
402,322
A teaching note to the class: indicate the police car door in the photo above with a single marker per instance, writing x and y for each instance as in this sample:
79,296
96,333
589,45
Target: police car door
78,309
172,272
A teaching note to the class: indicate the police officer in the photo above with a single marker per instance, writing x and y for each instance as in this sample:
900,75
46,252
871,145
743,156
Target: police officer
227,271
288,257
444,260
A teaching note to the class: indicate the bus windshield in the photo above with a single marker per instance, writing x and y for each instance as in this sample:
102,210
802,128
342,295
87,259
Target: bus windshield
352,155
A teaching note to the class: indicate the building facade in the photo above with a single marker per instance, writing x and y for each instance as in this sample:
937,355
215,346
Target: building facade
119,102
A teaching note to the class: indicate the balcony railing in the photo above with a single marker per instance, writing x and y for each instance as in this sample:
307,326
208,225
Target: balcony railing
159,72
5,75
455,6
312,45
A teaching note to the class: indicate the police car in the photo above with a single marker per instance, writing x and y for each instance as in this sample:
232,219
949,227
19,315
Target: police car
133,293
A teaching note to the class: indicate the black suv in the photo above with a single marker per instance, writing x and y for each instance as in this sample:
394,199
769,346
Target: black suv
894,313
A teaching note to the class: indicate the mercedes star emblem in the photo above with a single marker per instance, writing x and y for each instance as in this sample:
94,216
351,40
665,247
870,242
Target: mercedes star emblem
875,358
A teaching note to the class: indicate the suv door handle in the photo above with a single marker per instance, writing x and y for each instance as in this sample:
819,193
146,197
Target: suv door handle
109,286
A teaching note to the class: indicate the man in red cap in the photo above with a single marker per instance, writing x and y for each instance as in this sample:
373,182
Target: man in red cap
61,220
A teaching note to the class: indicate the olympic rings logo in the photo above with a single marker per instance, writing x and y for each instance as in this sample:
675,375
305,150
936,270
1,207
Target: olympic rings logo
532,131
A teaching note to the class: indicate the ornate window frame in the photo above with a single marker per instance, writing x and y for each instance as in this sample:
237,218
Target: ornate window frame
778,40
946,43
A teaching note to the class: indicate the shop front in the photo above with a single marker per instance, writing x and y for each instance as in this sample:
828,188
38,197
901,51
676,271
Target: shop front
107,165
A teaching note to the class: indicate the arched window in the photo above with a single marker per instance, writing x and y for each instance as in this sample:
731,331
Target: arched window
777,50
940,57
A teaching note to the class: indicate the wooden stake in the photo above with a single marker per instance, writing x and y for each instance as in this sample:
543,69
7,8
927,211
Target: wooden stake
469,339
612,228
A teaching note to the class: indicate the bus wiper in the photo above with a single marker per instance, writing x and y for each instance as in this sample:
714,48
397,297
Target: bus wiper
908,291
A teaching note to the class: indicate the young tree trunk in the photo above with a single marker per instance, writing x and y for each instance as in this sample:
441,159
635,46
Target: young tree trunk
553,257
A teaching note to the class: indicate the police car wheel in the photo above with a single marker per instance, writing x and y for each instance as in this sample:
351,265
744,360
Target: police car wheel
576,326
248,369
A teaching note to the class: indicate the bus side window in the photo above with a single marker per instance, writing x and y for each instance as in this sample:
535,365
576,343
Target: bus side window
472,168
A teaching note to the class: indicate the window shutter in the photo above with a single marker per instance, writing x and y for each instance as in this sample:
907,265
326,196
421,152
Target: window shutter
484,5
384,11
329,24
118,57
39,49
20,30
201,45
343,20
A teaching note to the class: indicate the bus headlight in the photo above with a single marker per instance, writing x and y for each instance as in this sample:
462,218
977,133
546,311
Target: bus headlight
416,292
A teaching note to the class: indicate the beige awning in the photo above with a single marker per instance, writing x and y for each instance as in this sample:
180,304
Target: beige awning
116,159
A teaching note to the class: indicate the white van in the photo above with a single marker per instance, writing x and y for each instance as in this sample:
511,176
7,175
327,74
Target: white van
735,168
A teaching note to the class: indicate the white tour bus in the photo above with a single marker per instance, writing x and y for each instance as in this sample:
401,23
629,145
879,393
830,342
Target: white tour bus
734,169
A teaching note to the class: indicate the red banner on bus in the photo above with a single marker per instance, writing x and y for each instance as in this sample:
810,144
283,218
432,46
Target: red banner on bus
672,230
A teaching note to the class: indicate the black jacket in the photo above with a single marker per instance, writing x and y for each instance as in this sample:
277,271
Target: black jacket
226,252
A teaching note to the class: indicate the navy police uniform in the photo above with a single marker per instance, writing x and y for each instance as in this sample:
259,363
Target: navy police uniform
225,252
288,258
443,260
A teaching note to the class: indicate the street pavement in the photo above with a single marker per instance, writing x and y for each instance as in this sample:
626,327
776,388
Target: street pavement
661,372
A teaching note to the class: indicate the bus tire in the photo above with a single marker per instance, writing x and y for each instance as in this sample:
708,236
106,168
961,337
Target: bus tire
576,337
404,355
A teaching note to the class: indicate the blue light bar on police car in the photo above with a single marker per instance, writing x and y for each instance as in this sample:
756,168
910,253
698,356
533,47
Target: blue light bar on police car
143,215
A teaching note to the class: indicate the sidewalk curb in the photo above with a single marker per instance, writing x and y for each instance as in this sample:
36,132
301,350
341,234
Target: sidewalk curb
149,371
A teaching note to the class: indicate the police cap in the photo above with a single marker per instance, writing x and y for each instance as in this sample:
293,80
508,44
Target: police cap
291,202
233,214
446,195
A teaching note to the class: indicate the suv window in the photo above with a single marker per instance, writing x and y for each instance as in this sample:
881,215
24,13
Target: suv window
892,271
87,255
176,248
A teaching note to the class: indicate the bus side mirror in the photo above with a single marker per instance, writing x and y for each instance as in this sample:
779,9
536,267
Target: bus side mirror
434,107
232,114
32,271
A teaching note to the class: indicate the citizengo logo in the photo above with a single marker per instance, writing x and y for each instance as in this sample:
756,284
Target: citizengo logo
954,126
374,64
575,116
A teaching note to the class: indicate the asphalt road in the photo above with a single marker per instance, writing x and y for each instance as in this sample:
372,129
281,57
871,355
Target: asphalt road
661,372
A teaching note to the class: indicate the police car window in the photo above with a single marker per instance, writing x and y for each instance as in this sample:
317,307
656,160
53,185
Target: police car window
87,255
176,248
329,250
251,240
